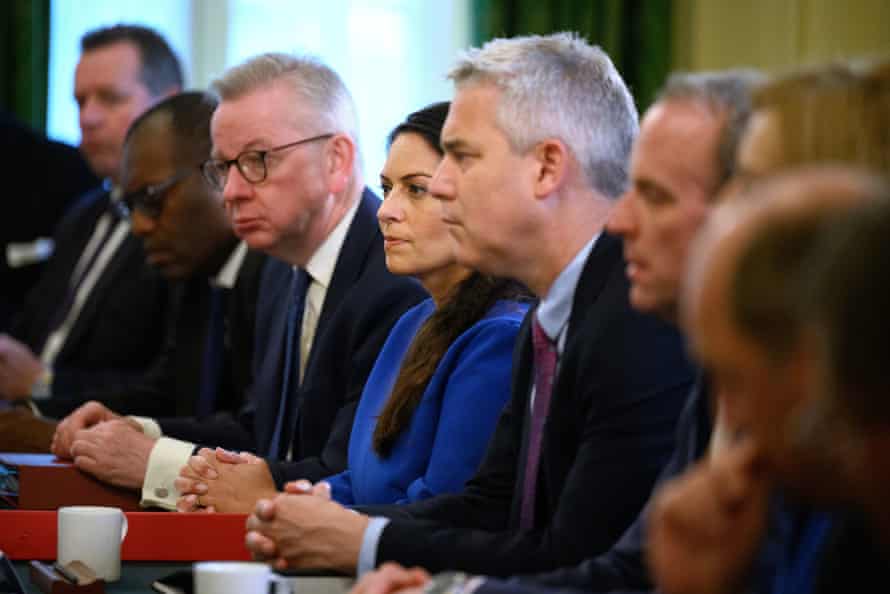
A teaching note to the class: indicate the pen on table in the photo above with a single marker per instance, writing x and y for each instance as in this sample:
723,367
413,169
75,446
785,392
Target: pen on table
65,573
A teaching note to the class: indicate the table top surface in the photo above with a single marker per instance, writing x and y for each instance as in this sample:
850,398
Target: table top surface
136,578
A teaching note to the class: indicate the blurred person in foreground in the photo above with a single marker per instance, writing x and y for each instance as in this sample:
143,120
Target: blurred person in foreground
796,123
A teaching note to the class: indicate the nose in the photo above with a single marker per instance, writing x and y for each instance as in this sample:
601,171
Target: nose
390,209
141,225
622,221
236,187
442,184
91,113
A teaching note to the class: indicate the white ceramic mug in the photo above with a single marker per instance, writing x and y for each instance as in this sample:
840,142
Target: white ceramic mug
231,577
92,535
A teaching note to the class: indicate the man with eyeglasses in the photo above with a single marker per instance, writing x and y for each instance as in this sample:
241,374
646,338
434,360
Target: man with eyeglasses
207,362
96,319
285,157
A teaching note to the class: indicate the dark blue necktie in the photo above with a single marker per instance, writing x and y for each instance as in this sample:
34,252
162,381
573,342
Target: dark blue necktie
212,363
281,436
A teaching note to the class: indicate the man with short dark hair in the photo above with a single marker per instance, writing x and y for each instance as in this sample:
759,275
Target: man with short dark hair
96,319
206,366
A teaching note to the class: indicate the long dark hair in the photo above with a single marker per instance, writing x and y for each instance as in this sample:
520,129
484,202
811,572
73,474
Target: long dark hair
468,303
472,298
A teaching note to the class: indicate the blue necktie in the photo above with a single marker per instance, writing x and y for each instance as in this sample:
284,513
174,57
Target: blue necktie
281,436
212,363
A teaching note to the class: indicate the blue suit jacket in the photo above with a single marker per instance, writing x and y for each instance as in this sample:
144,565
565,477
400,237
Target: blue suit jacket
622,381
361,305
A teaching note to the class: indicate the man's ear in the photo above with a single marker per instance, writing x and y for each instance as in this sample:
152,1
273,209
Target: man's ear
340,162
551,157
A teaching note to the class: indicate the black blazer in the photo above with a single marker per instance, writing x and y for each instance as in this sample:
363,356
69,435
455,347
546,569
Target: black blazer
362,303
172,386
51,176
623,567
120,331
620,386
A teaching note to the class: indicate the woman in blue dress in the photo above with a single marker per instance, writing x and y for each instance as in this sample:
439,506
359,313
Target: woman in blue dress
432,400
441,379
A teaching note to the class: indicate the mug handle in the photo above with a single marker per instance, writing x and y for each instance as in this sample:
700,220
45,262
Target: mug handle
124,527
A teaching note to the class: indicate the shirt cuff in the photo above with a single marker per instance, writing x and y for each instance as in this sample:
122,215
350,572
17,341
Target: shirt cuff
367,555
167,458
149,426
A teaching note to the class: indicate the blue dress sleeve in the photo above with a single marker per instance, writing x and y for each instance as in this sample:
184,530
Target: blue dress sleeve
341,487
475,392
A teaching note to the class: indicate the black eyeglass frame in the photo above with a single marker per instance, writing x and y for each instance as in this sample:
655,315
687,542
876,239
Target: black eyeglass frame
216,171
149,200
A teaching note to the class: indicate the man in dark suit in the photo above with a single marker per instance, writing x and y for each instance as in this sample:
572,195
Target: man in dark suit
51,174
97,317
597,387
326,302
165,194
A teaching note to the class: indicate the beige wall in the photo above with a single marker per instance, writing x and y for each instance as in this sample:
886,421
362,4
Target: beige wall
777,34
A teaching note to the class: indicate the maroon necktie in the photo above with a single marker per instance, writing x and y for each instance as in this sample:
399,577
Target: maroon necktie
545,370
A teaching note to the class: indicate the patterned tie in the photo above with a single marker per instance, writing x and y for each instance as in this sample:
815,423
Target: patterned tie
545,369
283,423
212,363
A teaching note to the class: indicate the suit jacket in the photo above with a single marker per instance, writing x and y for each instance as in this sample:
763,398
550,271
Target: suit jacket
620,386
172,386
362,303
120,331
52,175
623,567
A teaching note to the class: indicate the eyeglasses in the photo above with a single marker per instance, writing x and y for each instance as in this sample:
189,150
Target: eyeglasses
150,199
251,164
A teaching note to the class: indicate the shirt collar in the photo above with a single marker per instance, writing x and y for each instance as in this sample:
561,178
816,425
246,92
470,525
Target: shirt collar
556,306
227,275
322,263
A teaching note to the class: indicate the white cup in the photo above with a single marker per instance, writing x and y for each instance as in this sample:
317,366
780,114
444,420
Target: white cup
231,577
92,535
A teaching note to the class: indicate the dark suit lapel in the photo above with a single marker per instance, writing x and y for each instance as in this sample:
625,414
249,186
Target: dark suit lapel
95,299
269,346
351,260
604,256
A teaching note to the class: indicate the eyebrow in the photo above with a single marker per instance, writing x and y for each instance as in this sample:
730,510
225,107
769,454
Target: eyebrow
454,144
417,174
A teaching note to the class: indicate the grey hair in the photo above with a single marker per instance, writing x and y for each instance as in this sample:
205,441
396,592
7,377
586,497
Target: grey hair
559,86
727,94
311,81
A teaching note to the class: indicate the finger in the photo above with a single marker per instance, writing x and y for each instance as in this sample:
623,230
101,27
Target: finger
87,464
260,545
186,485
188,472
187,504
224,455
206,453
322,489
202,468
300,487
265,510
